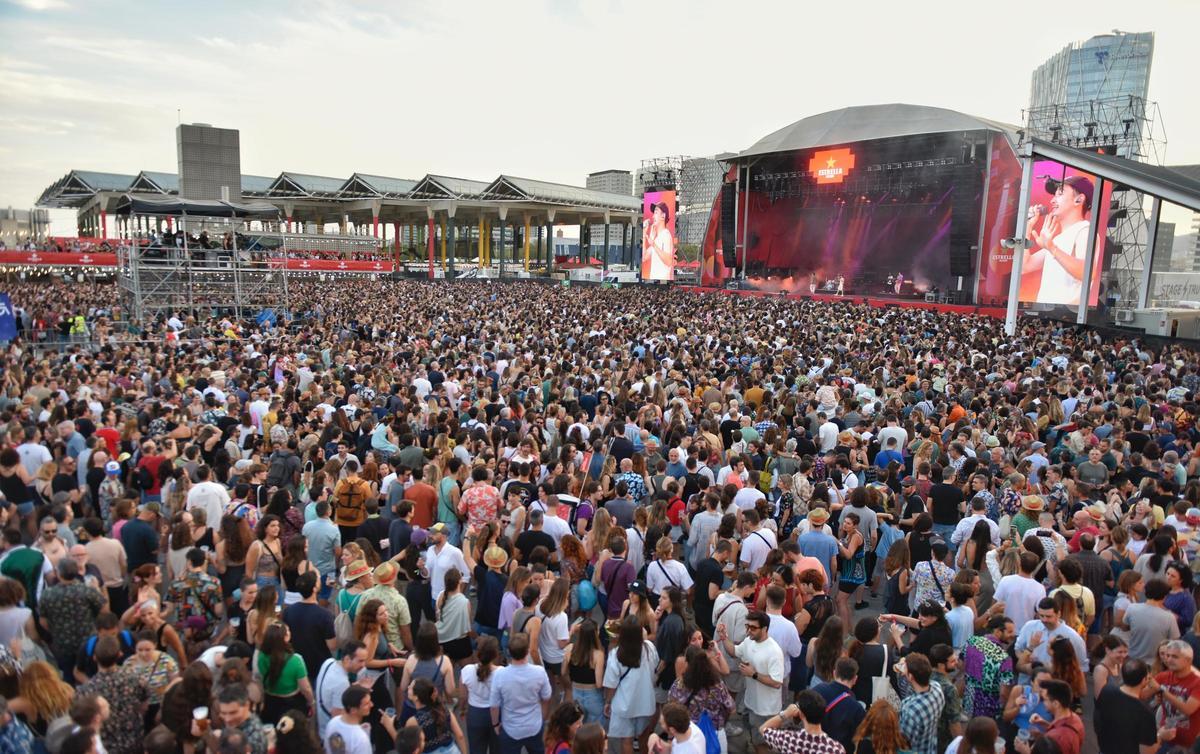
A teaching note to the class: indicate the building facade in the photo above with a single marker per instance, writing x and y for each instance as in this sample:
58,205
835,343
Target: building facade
21,226
612,181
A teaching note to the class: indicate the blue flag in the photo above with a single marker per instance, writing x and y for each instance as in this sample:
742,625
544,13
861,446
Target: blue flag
8,319
266,317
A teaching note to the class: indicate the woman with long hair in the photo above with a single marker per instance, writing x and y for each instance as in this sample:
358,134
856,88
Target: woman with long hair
264,559
825,650
295,735
561,726
930,624
897,568
452,613
1064,665
698,639
630,708
519,578
290,518
590,739
852,559
155,669
573,560
1109,659
442,732
554,633
873,658
284,675
233,543
475,707
638,605
44,696
583,674
979,737
701,688
265,610
429,662
879,732
193,689
295,562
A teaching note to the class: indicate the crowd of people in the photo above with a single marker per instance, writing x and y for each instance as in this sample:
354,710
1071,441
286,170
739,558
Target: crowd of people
484,518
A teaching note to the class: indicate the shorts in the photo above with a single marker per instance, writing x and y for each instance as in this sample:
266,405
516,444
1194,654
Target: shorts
660,695
845,588
458,649
620,726
553,669
756,722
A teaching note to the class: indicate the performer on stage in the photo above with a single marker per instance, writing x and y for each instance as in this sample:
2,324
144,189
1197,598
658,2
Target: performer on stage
899,282
1060,244
812,283
841,289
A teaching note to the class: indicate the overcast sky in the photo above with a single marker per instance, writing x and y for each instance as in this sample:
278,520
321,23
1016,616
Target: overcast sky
549,89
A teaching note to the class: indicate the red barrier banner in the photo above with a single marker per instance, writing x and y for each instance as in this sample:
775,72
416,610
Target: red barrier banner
58,259
336,265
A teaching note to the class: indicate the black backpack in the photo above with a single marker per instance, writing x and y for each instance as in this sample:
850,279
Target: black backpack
277,473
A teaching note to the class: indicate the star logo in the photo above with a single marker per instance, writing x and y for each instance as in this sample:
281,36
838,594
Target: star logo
305,264
831,165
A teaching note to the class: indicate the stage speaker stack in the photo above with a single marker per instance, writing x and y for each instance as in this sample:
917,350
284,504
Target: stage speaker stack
964,219
728,224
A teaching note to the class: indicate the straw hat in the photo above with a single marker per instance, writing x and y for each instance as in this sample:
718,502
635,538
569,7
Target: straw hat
357,570
818,516
1096,512
386,572
1033,503
495,557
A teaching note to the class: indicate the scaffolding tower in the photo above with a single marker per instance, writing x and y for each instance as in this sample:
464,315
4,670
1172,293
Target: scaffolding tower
695,181
1126,126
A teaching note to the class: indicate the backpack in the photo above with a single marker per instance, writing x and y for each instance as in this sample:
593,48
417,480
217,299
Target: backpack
712,745
349,502
277,473
143,479
343,624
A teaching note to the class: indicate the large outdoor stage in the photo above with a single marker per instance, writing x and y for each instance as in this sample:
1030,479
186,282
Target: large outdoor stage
865,196
876,301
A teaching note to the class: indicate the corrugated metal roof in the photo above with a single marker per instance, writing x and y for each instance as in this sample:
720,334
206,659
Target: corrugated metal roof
385,185
256,184
315,184
105,181
851,124
443,186
561,193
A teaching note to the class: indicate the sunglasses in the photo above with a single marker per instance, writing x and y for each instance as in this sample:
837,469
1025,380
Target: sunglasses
753,627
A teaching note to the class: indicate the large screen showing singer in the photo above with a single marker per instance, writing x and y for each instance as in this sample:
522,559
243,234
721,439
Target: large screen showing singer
658,235
1062,206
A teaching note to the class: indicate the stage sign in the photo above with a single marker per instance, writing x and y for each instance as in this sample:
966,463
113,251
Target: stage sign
335,265
658,235
831,165
58,259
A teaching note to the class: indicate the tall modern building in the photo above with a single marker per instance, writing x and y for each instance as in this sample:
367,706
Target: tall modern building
612,181
1069,91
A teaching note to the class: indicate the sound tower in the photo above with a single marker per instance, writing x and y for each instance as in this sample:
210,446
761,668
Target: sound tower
728,224
967,198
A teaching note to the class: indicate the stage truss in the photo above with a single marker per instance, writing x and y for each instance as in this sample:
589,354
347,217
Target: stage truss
1127,126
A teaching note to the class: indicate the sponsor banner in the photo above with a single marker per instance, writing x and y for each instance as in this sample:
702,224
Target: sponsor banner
59,259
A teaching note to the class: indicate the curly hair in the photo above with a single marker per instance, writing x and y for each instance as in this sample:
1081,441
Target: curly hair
881,727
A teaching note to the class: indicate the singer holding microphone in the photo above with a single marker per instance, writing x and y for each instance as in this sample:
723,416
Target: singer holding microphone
1059,239
658,245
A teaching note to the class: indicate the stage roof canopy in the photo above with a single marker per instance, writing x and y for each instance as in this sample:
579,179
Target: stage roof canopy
868,122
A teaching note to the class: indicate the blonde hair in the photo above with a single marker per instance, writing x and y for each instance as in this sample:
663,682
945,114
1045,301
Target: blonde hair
45,690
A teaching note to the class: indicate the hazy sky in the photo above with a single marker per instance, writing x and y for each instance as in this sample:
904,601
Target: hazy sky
548,89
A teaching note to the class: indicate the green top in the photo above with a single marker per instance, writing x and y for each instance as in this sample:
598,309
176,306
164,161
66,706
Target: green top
288,682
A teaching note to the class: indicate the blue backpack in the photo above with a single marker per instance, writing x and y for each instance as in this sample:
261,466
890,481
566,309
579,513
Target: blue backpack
711,744
585,595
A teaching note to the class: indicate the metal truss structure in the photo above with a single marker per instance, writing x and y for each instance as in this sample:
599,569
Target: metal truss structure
696,182
1127,126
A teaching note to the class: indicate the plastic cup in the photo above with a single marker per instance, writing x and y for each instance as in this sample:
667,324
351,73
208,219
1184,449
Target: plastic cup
200,715
235,621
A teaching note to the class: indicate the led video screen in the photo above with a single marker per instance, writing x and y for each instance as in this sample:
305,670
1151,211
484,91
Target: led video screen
1059,222
658,235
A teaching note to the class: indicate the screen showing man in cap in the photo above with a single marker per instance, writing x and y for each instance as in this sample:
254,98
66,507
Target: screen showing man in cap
1059,238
